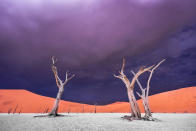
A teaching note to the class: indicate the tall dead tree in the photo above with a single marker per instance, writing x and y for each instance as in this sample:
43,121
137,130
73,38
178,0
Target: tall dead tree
145,92
135,111
60,84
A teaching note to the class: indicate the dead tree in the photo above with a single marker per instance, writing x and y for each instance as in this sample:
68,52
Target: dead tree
46,110
145,92
20,110
9,110
14,111
95,108
60,84
135,111
68,110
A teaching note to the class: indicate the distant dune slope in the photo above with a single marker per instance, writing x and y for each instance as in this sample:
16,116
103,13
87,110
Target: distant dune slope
179,101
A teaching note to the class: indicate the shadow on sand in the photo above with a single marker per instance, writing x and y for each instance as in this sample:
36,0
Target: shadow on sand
52,116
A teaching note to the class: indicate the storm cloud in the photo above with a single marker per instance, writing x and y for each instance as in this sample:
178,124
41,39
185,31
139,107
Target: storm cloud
89,38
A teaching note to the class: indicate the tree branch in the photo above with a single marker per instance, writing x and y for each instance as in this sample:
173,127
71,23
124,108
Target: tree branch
139,94
121,72
122,76
54,60
67,78
71,77
141,70
58,81
158,65
123,67
119,76
138,82
150,76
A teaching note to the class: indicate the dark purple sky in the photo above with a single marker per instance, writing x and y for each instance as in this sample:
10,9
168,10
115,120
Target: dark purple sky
89,38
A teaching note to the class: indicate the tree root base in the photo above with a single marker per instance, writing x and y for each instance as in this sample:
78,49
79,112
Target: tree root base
150,118
50,115
131,118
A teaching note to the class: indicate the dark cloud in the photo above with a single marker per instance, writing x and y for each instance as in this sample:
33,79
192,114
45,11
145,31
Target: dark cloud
89,38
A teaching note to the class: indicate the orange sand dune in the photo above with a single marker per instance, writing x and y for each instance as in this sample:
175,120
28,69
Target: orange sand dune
28,102
179,101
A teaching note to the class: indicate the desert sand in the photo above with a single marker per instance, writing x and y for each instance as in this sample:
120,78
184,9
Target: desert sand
96,122
177,101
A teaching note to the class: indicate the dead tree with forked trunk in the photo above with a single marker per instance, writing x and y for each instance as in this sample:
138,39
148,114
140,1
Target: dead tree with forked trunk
145,93
60,84
135,111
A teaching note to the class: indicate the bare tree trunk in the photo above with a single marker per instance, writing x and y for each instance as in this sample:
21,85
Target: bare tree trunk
95,108
145,92
147,110
9,110
135,111
68,110
20,110
56,103
144,99
60,85
148,113
47,109
15,109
